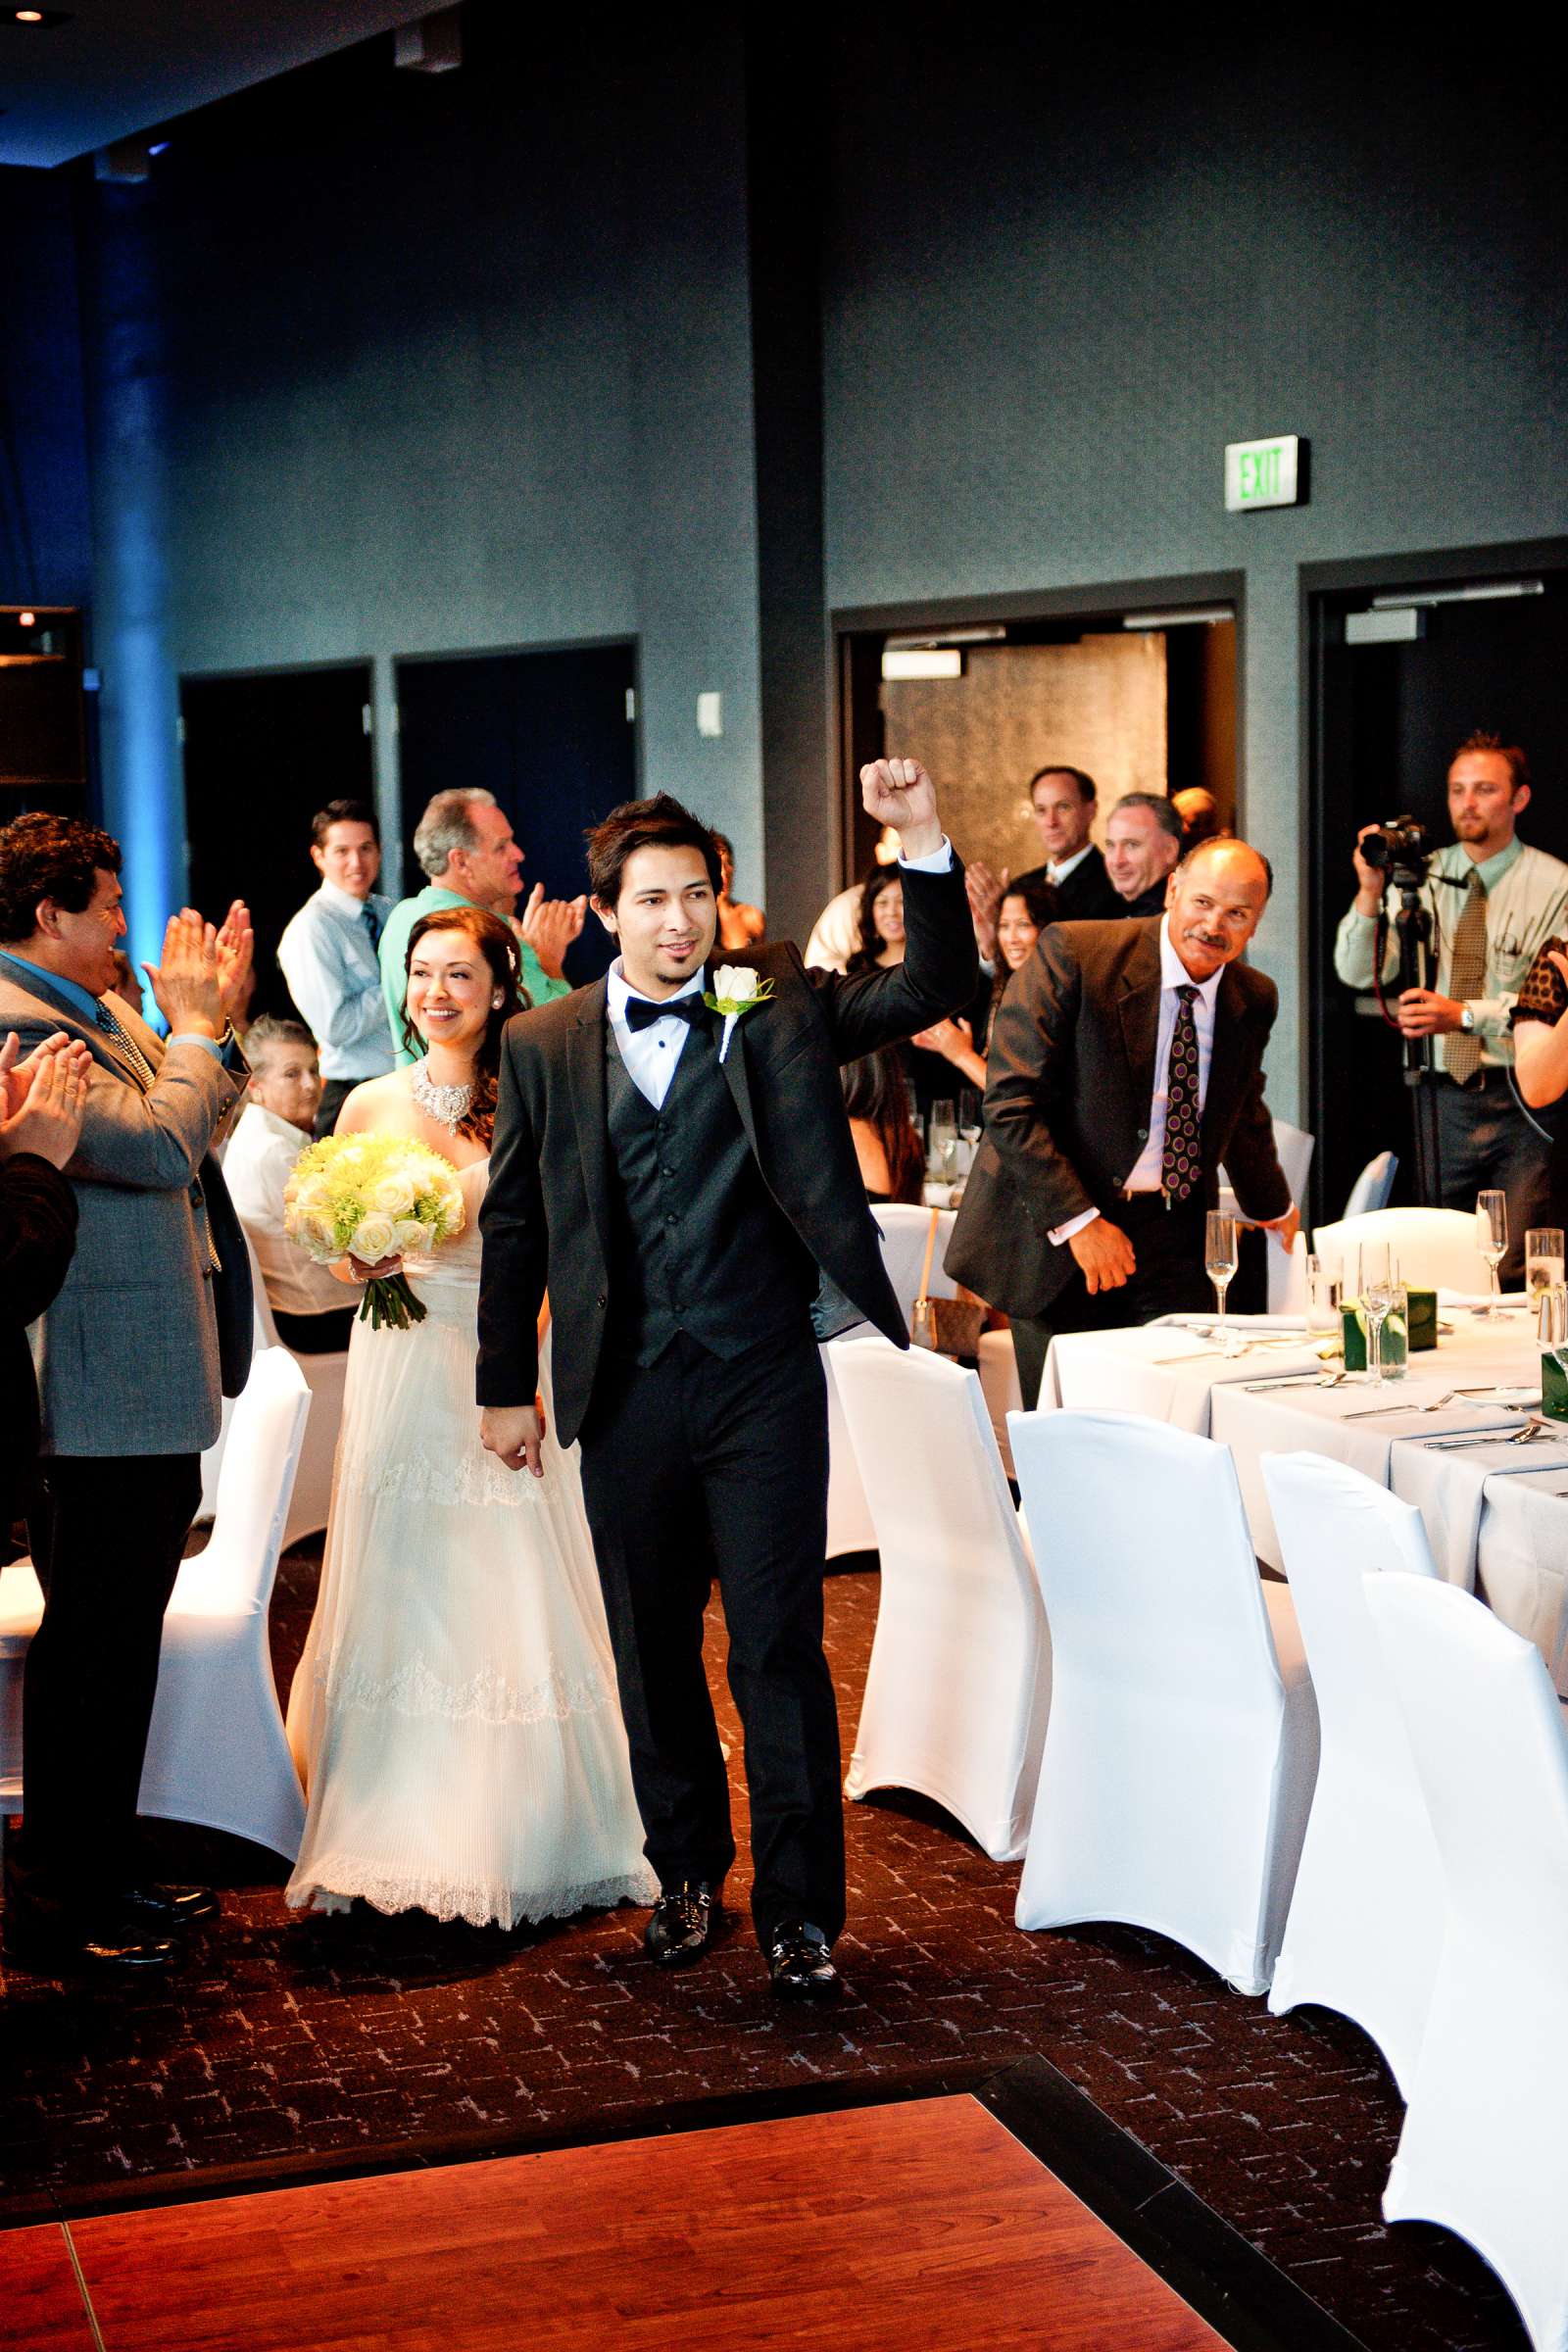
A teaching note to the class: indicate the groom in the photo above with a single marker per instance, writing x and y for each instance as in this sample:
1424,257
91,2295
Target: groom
682,1199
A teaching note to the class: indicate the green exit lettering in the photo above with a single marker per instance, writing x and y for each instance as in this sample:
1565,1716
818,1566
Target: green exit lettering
1261,474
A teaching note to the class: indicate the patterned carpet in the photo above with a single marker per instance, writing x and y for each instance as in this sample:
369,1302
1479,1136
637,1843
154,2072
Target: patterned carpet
363,2042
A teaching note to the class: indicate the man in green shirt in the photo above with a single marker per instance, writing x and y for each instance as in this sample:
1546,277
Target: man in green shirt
1495,901
464,845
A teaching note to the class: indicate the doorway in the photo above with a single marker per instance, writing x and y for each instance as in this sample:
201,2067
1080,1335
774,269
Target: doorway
1136,683
551,732
1408,658
262,752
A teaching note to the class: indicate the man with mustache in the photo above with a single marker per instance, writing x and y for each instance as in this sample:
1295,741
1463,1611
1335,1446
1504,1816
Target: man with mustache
1126,1065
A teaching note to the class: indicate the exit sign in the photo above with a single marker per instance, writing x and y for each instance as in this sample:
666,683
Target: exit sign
1265,473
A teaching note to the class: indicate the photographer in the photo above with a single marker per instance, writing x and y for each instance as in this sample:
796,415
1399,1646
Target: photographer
1493,903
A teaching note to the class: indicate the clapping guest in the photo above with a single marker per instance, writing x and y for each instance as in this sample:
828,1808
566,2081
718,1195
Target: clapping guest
887,1142
273,1130
42,1104
151,1326
1026,907
881,946
329,954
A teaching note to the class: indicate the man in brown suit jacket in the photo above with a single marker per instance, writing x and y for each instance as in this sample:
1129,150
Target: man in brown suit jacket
1126,1065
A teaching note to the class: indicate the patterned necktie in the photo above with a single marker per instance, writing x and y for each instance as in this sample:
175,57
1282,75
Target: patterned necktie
1467,978
372,923
113,1027
1181,1163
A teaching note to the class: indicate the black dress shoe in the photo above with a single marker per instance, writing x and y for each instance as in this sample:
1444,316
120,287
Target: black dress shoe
800,1964
682,1923
127,1950
161,1909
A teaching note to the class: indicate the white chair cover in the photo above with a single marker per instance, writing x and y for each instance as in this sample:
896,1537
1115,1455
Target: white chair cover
849,1514
960,1680
216,1754
1485,2146
905,1232
217,1751
1367,1918
1374,1186
1286,1277
1183,1739
1437,1247
326,1377
1295,1146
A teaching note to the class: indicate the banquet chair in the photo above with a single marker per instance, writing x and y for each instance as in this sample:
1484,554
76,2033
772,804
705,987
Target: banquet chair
999,1385
1182,1743
1286,1270
1436,1246
906,1231
960,1680
1374,1186
1485,2149
216,1751
1367,1918
1295,1146
326,1377
849,1514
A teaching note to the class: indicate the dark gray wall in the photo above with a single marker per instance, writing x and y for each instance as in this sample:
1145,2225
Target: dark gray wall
45,527
464,362
1064,273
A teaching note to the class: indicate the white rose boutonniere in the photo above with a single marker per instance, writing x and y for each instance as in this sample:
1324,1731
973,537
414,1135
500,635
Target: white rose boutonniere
736,990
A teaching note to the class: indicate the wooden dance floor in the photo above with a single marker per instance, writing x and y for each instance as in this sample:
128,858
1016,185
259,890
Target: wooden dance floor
901,2229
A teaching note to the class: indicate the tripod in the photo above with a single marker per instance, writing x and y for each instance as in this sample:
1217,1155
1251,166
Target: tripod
1412,927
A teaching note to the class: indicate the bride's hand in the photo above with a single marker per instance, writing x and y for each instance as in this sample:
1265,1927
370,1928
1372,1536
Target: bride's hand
382,1267
514,1434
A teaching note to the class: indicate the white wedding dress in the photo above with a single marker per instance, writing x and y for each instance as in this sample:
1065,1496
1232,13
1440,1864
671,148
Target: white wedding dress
454,1717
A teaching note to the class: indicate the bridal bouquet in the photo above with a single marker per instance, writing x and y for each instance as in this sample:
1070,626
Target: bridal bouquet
373,1196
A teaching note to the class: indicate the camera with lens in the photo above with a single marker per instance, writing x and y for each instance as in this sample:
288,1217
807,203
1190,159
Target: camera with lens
1402,849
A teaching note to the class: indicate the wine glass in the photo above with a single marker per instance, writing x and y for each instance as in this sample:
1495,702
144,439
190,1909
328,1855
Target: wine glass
1492,1239
969,1115
941,1137
1219,1263
1379,1282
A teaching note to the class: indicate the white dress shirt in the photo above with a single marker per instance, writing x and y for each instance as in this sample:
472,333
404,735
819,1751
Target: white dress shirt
1069,865
334,977
652,1052
257,1165
1173,974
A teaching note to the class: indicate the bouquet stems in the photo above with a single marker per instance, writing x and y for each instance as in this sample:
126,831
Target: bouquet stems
389,1300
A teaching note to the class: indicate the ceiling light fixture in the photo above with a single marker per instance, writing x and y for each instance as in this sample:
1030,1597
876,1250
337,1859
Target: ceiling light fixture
46,17
27,621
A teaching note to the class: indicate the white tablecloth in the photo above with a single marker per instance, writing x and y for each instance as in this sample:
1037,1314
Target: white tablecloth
1496,1515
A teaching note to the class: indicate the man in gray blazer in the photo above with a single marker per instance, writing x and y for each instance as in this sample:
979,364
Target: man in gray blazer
151,1328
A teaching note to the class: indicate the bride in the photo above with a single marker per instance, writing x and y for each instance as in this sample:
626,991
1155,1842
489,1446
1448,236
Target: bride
453,1717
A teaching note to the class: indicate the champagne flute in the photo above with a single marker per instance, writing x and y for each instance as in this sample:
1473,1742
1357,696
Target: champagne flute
1219,1263
969,1115
1324,1296
1380,1280
1492,1239
941,1136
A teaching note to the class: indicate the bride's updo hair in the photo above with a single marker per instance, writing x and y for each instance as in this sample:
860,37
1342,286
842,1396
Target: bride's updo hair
498,943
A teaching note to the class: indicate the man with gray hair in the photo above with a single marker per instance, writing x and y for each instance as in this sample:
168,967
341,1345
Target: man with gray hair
464,845
1143,842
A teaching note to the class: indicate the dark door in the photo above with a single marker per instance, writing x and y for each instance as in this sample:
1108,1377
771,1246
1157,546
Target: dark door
262,754
1389,716
550,734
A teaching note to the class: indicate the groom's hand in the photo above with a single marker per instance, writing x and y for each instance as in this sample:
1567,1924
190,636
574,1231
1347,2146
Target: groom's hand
514,1434
898,793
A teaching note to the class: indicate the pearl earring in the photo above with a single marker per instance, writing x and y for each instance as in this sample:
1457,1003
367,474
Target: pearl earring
497,1000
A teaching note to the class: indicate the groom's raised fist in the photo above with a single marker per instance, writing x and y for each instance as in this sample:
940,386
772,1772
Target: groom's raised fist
898,793
514,1434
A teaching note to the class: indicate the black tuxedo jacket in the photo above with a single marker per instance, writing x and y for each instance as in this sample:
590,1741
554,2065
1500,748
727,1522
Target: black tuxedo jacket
546,1215
1088,895
1071,1084
38,1235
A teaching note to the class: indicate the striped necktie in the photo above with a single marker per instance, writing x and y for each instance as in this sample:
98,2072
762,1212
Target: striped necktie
113,1027
1467,978
372,923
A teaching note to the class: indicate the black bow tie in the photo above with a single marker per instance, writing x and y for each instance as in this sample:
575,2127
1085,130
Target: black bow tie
642,1012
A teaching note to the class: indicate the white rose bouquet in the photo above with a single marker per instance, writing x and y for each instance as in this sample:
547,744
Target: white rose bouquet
373,1196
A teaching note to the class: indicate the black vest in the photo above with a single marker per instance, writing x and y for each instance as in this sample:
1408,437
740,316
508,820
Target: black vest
698,1244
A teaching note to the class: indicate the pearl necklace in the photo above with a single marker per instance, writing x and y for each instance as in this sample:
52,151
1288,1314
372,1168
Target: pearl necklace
448,1106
